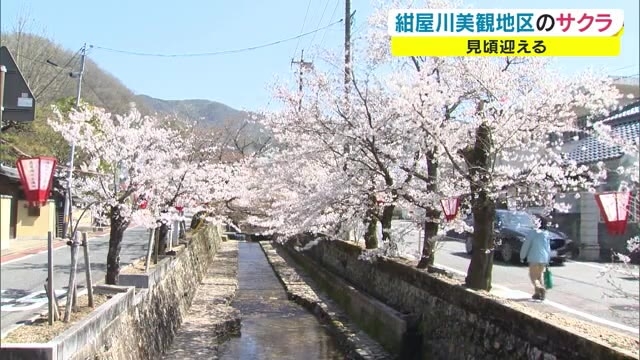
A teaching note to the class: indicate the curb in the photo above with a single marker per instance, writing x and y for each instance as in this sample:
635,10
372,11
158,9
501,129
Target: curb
356,344
37,250
43,312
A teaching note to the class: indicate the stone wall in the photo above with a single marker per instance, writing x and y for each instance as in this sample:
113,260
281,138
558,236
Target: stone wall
147,328
456,323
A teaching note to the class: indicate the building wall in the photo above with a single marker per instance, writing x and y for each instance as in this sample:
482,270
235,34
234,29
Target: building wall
610,244
5,221
589,219
35,227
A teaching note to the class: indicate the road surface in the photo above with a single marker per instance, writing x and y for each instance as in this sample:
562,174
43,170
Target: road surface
579,289
22,279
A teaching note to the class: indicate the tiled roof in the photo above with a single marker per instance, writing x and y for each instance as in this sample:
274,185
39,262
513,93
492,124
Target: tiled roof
624,125
9,172
633,110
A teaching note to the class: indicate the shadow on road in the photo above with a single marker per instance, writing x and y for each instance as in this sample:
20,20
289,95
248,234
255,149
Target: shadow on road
461,254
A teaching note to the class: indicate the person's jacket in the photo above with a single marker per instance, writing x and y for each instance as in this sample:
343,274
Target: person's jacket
536,248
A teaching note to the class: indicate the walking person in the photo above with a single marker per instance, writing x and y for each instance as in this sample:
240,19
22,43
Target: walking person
536,249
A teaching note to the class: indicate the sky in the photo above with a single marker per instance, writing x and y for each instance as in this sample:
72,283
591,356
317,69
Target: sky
240,80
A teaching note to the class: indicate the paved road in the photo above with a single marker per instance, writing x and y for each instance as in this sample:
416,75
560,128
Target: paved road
579,289
22,279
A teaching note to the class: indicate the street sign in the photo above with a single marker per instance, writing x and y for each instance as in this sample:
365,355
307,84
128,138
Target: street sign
18,102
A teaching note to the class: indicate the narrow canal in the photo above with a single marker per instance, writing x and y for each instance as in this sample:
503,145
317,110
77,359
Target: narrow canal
272,326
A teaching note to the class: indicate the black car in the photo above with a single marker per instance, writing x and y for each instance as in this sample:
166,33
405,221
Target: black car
512,228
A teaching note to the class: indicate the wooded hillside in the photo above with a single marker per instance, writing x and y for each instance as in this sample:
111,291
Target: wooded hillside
47,67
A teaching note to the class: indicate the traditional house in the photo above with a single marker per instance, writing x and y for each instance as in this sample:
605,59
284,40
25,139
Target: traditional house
584,222
18,220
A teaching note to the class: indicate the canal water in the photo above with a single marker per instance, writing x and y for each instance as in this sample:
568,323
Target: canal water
272,326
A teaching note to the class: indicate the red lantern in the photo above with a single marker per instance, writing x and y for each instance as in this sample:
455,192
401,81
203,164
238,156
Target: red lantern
36,178
614,207
179,208
450,207
142,201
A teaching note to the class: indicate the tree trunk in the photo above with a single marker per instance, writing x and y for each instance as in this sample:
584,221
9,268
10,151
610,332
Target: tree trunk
387,218
371,221
163,238
432,216
483,209
371,235
429,246
481,265
118,226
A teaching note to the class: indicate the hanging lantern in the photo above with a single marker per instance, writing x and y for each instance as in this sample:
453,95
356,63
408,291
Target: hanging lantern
36,178
614,207
179,205
142,201
450,207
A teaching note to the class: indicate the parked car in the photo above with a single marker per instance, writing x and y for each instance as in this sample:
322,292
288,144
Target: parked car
512,228
546,224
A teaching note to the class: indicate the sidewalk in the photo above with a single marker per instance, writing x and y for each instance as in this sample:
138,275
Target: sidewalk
21,248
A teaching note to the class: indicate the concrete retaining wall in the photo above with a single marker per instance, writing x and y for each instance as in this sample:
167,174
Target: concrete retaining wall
147,328
149,280
384,324
135,323
65,345
456,323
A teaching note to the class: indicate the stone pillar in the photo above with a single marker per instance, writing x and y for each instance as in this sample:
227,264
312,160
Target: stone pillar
175,234
589,220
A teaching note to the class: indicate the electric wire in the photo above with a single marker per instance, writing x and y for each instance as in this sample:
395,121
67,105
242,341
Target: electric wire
65,66
304,22
333,13
215,53
93,90
326,4
47,62
625,76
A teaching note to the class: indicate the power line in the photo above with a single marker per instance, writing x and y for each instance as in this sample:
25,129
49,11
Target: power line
304,22
47,62
214,53
333,13
326,4
627,67
625,76
58,74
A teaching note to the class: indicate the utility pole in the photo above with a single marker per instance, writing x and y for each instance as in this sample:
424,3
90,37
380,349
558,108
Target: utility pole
347,46
68,224
301,66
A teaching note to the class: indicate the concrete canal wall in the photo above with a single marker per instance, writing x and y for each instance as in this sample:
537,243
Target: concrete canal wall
146,329
453,322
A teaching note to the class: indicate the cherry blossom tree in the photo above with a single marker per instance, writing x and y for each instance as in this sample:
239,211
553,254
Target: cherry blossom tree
498,135
492,119
133,146
431,175
348,148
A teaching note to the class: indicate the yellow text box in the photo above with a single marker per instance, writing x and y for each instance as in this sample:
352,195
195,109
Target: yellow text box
458,46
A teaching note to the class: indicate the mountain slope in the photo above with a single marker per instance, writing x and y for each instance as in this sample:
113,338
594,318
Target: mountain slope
46,66
204,112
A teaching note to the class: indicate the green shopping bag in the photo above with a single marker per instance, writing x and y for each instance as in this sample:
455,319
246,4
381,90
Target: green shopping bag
548,278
